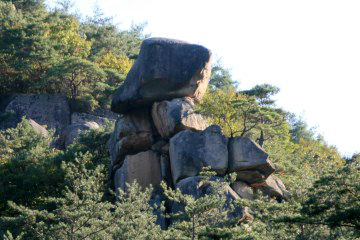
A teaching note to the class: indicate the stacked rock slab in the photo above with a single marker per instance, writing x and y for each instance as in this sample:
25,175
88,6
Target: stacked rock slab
155,102
133,133
159,136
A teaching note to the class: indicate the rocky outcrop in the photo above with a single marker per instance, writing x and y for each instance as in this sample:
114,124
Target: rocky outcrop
159,135
165,69
46,111
191,151
176,115
53,111
50,110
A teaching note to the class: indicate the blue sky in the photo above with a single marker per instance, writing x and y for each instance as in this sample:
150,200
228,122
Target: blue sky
309,48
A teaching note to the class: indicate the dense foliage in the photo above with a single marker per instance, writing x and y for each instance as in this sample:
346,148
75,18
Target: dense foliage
64,195
44,51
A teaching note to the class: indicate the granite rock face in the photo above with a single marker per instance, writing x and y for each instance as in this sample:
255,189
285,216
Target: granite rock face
191,151
50,110
143,167
176,115
165,69
53,111
243,190
38,128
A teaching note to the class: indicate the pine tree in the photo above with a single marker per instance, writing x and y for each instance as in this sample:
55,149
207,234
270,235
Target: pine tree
209,213
83,211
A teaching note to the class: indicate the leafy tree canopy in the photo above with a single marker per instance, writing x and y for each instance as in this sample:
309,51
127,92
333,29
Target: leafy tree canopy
46,51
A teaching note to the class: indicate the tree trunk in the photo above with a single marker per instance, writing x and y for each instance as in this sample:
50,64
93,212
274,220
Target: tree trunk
261,139
193,227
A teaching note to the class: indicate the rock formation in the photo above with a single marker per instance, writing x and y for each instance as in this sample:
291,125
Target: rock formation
159,136
52,111
47,111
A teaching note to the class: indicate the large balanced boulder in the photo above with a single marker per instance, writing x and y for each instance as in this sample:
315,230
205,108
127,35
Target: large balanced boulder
191,151
246,155
133,133
176,115
165,69
144,168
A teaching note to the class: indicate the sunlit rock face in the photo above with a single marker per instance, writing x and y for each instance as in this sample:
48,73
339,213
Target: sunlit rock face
191,151
176,115
144,168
